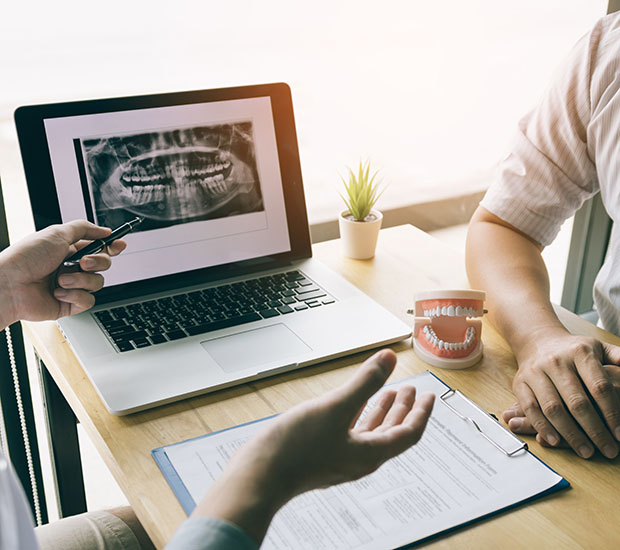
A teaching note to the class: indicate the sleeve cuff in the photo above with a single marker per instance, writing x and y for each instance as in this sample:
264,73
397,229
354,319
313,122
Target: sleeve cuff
203,533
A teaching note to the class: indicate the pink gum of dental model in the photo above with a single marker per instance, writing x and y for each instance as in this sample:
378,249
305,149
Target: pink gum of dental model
445,334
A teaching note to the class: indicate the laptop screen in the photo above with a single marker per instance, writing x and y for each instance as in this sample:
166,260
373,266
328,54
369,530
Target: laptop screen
205,177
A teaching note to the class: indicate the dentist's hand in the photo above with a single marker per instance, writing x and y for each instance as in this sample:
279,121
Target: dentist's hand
317,444
34,288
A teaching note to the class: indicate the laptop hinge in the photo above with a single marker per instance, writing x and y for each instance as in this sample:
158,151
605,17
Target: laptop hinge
183,280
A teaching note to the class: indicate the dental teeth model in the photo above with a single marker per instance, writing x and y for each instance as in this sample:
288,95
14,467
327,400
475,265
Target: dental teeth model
445,331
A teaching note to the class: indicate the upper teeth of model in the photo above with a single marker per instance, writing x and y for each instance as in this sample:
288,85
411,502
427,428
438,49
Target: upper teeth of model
430,335
451,311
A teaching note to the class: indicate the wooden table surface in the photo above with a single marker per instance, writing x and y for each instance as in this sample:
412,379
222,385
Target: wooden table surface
407,261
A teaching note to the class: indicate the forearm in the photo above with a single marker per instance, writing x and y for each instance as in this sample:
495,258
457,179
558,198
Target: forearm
510,268
250,490
241,506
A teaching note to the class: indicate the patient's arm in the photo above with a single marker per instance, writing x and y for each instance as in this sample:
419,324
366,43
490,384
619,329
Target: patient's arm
560,382
316,445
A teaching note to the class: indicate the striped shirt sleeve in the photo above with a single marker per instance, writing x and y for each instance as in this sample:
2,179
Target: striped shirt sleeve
549,171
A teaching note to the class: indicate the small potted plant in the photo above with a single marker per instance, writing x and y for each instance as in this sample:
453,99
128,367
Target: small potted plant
359,223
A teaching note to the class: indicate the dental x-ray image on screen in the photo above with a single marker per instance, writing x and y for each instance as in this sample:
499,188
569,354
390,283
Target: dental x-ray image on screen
173,176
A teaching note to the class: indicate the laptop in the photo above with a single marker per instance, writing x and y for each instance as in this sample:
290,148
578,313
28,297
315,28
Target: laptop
217,285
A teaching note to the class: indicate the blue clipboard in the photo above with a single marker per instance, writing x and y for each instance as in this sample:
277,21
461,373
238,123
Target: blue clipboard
187,502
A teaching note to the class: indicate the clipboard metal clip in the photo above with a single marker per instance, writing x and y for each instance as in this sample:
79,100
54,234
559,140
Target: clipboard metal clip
449,393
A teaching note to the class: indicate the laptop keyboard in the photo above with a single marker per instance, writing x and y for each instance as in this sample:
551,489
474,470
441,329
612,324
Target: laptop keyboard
161,320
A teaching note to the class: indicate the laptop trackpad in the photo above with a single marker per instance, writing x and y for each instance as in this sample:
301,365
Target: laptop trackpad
255,347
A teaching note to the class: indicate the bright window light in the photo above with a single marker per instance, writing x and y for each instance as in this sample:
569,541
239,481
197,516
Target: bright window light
430,92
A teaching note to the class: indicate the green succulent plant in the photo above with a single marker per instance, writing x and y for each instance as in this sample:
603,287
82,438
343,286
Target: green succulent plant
362,191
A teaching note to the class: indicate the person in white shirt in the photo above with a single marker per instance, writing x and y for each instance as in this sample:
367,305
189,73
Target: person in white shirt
566,150
315,444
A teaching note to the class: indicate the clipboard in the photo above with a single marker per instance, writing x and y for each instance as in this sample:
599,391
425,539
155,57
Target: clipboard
480,439
520,444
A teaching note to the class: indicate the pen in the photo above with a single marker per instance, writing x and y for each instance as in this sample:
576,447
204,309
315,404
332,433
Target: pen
99,244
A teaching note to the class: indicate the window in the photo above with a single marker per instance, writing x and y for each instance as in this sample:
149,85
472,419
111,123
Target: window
429,91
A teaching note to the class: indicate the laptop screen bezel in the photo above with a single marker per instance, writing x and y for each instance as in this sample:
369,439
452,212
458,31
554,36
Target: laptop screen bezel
29,121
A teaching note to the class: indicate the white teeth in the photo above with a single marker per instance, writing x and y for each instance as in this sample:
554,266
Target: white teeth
139,194
432,338
158,193
219,180
147,193
449,310
207,184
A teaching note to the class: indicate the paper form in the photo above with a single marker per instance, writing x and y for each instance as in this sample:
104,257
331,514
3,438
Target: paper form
451,476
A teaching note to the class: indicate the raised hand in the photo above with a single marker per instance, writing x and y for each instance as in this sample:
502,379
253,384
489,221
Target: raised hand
317,444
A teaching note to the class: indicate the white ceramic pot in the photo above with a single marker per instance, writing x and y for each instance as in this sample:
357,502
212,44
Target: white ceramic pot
359,239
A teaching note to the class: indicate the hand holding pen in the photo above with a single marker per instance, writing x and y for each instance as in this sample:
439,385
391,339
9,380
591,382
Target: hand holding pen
38,289
99,244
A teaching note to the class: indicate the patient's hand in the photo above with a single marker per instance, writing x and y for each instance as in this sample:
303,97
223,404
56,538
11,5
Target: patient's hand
316,444
32,285
518,422
566,393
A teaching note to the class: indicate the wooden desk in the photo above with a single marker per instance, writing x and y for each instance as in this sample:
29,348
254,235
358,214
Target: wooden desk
407,261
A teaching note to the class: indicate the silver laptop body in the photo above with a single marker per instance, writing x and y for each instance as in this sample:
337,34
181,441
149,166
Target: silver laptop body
216,175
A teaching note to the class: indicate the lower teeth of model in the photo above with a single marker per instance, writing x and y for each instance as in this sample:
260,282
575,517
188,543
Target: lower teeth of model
451,346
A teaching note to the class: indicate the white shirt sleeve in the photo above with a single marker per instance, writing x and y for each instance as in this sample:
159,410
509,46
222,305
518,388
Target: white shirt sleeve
549,172
16,526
